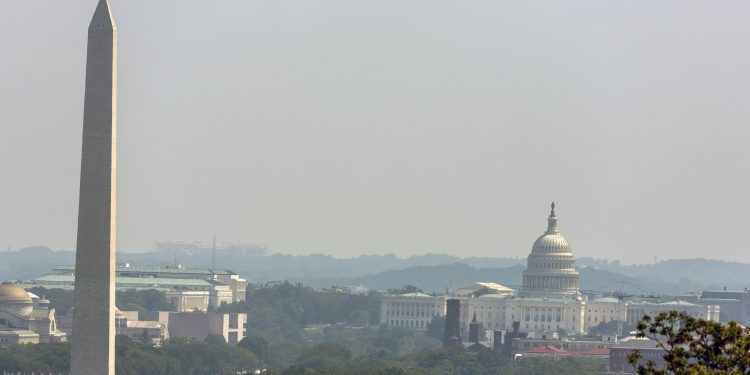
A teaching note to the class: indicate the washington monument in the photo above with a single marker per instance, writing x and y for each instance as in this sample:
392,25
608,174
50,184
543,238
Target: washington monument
93,342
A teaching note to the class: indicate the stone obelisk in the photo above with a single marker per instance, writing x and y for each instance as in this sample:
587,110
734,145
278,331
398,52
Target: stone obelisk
93,342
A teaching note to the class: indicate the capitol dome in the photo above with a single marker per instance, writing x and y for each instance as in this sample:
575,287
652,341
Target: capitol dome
551,243
551,265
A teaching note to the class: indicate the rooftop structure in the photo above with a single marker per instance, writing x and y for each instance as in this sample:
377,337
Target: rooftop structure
188,289
619,353
472,290
68,281
175,272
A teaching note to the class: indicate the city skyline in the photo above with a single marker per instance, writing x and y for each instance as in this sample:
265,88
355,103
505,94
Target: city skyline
310,128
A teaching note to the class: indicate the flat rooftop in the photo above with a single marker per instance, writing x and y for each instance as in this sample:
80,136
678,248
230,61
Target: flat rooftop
163,270
122,281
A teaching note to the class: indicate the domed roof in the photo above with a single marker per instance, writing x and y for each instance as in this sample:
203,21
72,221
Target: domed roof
13,291
552,241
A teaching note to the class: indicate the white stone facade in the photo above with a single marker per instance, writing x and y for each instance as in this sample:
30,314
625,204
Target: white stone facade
413,311
189,300
636,310
534,314
199,325
603,310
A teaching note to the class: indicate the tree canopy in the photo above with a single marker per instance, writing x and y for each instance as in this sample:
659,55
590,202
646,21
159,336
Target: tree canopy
694,346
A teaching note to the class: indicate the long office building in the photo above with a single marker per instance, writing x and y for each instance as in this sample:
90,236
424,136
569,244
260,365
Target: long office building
189,289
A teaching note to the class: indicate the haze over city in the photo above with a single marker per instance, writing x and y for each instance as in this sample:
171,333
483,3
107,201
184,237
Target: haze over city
389,127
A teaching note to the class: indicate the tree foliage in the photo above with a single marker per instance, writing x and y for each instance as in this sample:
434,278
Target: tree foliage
39,358
143,301
258,345
303,306
131,300
694,346
436,328
177,357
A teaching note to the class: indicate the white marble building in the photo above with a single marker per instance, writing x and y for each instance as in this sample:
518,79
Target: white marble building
26,318
636,310
412,310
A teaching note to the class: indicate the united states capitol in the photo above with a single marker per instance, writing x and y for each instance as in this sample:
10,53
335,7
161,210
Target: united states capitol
549,302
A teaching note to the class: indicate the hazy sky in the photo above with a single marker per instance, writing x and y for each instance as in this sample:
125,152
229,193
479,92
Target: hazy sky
349,127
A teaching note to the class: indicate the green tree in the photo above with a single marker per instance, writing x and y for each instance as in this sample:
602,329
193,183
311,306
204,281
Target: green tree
561,366
60,299
325,357
694,346
436,328
143,301
38,358
295,370
446,361
256,344
215,340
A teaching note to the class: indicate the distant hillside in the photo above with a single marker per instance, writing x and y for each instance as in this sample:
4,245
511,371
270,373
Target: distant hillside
278,266
442,277
436,278
691,274
32,262
434,272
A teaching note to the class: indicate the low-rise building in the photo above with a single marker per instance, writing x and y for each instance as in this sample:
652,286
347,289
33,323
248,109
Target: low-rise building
11,336
411,310
593,356
126,323
220,286
189,300
199,325
147,331
619,353
26,318
603,310
733,305
492,311
522,345
636,310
